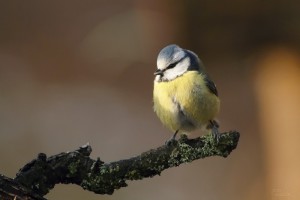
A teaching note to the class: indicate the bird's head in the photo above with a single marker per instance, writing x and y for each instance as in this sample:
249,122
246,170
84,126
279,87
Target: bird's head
173,61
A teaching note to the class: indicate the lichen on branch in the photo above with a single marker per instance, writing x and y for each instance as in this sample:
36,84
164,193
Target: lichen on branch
41,174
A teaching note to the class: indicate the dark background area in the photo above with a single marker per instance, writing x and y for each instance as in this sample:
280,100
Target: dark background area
73,72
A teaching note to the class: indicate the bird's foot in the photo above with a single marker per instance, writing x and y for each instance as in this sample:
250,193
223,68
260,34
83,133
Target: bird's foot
172,140
216,135
213,125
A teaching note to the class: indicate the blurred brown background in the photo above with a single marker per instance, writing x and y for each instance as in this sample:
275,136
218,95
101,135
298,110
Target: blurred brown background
73,72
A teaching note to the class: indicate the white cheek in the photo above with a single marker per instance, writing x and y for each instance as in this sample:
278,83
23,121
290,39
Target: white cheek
183,66
178,70
169,74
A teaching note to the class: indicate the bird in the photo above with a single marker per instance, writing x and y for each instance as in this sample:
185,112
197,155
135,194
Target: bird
185,98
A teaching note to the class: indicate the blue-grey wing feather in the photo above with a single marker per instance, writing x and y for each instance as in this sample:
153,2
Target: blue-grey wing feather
211,86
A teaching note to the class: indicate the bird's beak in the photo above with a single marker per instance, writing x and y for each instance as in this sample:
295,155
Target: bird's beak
158,72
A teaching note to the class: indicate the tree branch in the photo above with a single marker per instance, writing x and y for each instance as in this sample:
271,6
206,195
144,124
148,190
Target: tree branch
41,174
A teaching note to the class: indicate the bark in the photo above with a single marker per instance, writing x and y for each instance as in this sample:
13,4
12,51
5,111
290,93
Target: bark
39,176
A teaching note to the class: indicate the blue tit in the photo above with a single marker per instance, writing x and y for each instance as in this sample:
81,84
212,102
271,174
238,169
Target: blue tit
185,98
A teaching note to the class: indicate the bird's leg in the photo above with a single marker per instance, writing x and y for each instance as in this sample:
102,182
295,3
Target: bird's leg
172,139
213,125
174,136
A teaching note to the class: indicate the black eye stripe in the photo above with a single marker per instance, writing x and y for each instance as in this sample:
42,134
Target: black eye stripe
172,65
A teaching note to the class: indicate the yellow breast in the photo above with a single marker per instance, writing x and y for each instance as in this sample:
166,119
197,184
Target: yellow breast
189,94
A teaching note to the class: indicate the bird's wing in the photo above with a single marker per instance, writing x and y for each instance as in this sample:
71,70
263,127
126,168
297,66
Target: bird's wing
211,85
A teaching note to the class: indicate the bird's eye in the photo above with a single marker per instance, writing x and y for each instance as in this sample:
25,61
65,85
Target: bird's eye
172,65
